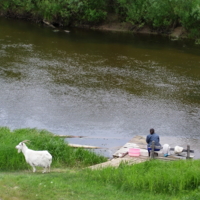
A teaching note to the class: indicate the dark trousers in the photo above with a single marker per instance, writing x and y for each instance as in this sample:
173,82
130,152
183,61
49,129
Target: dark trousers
149,150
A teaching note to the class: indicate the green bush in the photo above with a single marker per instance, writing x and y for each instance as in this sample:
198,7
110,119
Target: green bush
189,16
164,14
94,11
65,11
160,13
152,12
132,11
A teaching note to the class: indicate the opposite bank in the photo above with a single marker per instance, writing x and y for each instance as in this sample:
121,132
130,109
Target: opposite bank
178,18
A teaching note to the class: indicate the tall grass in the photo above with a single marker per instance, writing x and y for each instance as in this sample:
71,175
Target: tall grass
63,155
153,176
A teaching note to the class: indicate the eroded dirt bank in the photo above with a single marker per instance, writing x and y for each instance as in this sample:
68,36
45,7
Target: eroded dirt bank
111,24
178,32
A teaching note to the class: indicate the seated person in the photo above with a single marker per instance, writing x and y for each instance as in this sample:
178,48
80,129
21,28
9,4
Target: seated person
153,137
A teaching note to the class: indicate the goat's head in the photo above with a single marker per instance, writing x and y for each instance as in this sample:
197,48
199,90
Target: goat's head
20,146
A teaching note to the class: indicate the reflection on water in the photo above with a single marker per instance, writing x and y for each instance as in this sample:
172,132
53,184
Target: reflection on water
95,83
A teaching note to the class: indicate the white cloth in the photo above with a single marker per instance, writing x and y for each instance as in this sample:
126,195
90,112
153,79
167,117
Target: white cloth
166,149
178,149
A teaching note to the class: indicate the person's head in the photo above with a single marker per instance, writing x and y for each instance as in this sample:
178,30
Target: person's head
152,131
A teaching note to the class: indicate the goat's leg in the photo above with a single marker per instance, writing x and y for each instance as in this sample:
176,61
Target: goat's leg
44,171
49,168
34,169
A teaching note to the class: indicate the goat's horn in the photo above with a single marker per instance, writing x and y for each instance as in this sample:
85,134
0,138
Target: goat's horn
26,141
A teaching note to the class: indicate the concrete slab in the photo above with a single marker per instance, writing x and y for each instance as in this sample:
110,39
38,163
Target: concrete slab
115,162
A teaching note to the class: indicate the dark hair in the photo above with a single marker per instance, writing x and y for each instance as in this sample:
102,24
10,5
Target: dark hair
152,131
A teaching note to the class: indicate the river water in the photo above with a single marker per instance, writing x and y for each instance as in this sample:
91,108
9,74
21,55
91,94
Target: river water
107,86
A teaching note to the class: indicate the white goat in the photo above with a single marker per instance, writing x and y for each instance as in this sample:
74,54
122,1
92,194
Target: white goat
35,158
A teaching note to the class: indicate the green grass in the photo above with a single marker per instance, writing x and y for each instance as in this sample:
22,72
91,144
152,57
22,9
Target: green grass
74,185
68,185
153,176
63,155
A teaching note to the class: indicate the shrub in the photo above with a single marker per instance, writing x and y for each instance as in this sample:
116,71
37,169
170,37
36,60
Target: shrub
132,11
164,14
66,11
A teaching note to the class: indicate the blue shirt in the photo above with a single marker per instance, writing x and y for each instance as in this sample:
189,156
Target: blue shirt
153,137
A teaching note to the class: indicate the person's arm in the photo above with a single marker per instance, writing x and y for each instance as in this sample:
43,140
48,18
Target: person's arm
147,139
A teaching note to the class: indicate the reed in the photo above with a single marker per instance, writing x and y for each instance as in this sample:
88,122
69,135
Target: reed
63,155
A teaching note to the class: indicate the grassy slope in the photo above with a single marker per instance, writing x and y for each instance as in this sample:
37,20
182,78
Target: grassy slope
68,185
